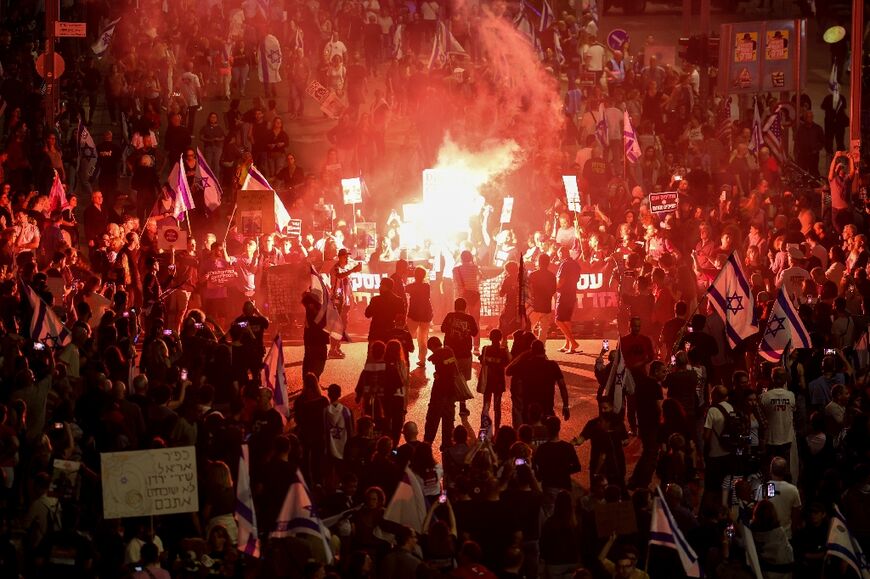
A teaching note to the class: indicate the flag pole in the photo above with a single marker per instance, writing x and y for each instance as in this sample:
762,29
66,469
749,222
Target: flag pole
230,221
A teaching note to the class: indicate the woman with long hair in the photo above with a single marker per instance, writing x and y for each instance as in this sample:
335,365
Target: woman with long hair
396,392
771,542
429,473
219,501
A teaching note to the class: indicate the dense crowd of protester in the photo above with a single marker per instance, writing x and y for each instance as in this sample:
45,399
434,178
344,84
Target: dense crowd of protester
156,354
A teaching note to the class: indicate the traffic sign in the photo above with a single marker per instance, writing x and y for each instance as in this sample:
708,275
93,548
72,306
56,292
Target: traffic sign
70,29
617,38
59,65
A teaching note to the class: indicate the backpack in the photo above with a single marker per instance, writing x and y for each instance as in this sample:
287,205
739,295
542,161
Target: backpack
734,436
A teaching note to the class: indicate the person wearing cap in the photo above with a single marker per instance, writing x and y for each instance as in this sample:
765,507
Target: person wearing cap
794,275
342,294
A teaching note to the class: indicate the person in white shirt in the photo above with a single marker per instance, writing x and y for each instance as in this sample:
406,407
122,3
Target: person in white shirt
794,275
334,47
785,496
593,57
718,459
778,405
26,233
190,87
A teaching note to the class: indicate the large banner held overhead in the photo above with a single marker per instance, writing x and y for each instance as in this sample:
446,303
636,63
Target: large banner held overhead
143,483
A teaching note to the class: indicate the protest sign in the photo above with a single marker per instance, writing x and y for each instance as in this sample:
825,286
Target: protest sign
142,483
351,189
507,210
616,518
294,228
572,193
255,212
665,202
171,238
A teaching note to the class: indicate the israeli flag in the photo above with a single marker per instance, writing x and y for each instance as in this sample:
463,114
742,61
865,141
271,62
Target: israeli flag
183,196
211,187
274,377
842,545
784,329
246,517
298,516
101,46
632,147
732,299
665,532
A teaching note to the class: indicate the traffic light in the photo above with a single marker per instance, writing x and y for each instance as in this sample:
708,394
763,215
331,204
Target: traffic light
692,49
713,51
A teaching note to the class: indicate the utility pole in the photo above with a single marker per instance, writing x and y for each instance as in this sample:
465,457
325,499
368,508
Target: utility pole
687,18
50,101
855,76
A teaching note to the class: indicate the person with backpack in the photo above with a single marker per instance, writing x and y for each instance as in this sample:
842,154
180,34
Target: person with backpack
718,427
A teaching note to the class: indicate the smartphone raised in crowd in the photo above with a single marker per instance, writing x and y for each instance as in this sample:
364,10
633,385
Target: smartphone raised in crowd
605,344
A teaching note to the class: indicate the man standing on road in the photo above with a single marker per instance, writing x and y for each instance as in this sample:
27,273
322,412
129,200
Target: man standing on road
542,285
637,351
460,329
442,402
648,395
384,309
539,377
566,298
342,294
466,285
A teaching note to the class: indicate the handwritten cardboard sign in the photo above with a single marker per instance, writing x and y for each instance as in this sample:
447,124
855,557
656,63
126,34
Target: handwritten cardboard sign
142,483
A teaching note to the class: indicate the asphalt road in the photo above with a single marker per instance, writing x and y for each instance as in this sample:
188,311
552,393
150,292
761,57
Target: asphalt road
577,368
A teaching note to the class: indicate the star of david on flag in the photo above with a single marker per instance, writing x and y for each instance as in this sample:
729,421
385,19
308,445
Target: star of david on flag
784,330
619,382
732,299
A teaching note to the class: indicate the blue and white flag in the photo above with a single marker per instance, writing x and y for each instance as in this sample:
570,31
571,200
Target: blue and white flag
328,314
183,197
44,323
546,17
834,86
86,150
101,46
273,377
665,532
785,329
632,147
756,140
246,518
211,187
601,126
255,181
732,299
269,69
408,505
842,544
298,516
619,382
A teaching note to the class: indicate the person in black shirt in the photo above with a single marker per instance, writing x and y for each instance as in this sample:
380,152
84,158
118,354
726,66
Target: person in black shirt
459,330
442,401
608,436
554,461
253,325
108,165
153,307
542,286
384,310
648,396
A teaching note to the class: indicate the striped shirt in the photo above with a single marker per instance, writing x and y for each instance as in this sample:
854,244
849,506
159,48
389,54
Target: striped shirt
466,277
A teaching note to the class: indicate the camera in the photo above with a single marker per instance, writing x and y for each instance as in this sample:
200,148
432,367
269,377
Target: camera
38,346
771,490
605,344
520,462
